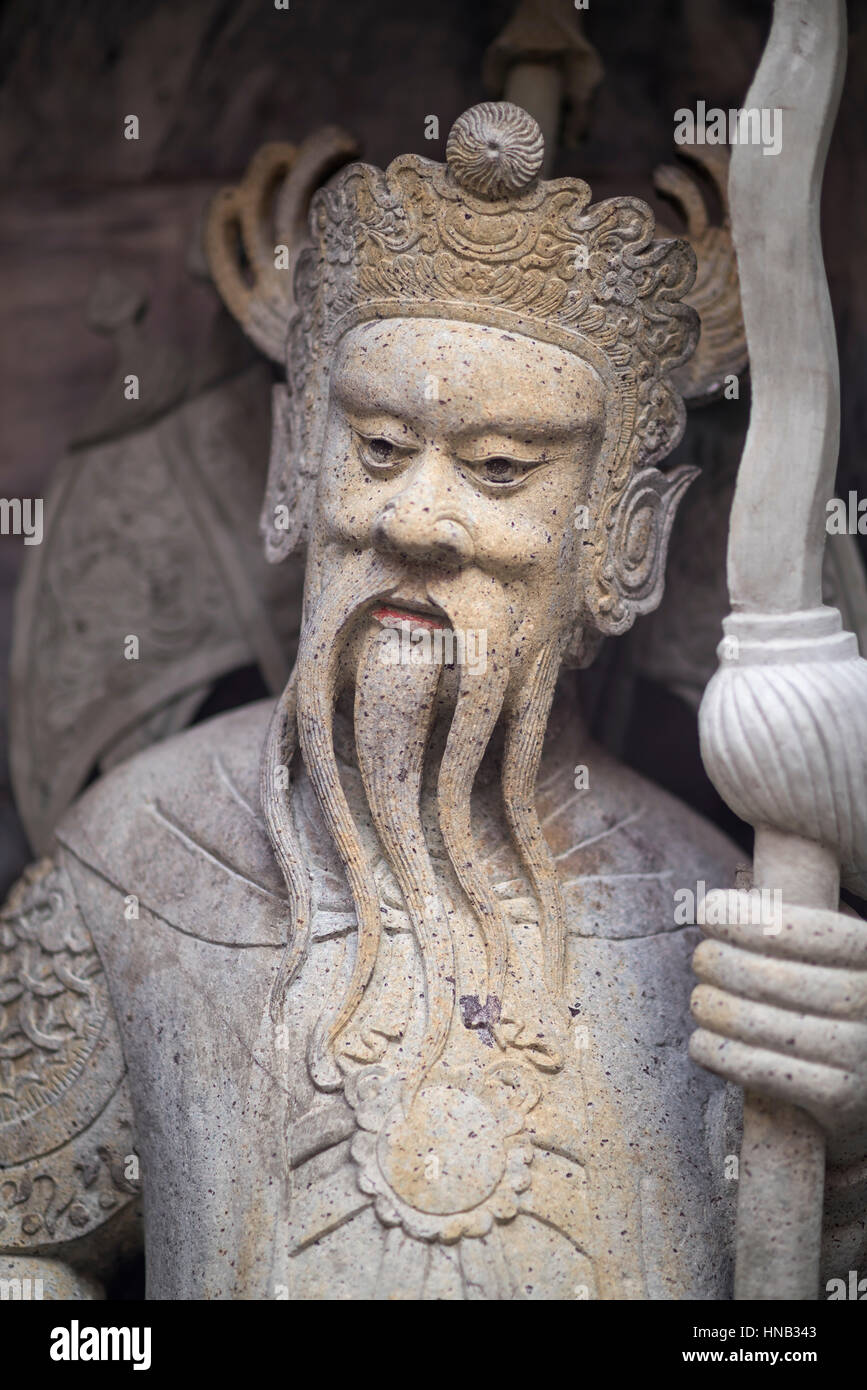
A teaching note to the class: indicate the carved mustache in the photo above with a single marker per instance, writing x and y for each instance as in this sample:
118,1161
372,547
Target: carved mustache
403,698
361,579
471,599
467,599
401,701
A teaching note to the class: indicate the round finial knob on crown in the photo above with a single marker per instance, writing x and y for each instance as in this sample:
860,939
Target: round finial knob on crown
495,149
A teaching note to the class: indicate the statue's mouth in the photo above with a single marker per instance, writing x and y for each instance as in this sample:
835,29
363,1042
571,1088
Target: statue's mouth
394,613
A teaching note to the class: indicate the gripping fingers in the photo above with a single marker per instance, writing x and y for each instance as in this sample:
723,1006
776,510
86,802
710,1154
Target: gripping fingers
832,1042
831,1096
808,934
817,989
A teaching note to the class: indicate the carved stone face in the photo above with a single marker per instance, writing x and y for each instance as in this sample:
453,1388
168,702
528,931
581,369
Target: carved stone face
457,448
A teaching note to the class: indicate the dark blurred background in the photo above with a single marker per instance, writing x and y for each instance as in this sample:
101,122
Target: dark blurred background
210,81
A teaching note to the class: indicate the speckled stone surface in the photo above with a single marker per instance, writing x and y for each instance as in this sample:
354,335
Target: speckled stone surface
394,969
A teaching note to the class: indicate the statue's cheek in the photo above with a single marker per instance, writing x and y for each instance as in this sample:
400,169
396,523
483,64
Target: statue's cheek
521,545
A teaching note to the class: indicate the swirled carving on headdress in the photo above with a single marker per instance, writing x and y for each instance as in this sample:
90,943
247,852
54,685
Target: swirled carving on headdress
495,149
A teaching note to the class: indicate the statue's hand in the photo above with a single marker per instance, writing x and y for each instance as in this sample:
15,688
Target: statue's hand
782,1010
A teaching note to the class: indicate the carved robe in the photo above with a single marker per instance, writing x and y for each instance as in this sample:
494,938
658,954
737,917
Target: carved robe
601,1176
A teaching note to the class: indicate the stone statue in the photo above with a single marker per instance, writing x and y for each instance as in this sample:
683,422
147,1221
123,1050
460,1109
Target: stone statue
407,1016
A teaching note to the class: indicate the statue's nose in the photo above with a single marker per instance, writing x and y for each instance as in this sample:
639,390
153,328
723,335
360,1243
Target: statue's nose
417,527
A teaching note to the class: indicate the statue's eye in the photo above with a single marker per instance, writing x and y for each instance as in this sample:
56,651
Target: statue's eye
501,471
381,449
381,453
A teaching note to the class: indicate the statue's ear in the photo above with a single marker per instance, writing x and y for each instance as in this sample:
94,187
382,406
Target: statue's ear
639,539
284,519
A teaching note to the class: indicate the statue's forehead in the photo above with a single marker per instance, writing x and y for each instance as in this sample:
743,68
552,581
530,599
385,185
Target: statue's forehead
490,371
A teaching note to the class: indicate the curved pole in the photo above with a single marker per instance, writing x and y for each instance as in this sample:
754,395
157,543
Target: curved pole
790,457
783,721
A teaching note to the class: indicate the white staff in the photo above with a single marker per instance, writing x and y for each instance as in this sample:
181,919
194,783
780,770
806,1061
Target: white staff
784,720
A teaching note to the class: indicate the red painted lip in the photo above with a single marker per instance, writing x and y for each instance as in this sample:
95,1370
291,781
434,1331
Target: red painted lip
403,615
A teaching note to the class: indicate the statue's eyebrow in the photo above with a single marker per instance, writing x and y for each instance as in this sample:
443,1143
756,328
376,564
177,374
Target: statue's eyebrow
482,444
357,398
524,434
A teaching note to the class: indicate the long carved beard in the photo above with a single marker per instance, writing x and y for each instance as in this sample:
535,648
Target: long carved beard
394,712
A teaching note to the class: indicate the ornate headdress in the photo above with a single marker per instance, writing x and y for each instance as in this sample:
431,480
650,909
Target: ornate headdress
484,239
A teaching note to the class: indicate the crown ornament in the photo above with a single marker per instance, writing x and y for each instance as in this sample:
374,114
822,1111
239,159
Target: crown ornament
495,150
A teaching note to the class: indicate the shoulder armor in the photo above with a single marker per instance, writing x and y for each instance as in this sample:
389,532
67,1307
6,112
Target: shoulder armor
67,1160
179,827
